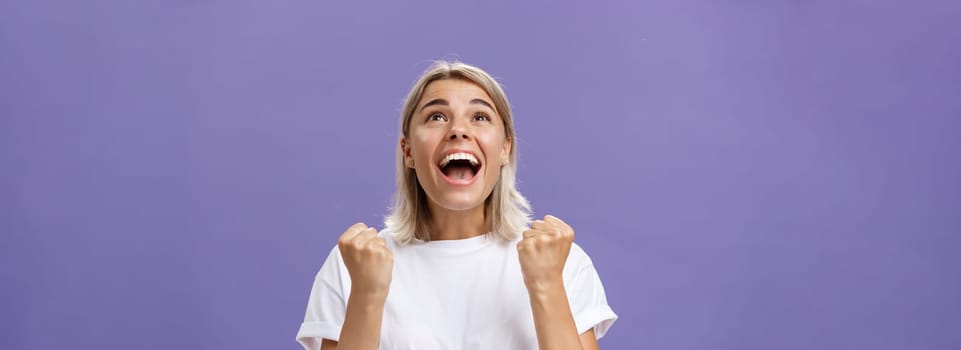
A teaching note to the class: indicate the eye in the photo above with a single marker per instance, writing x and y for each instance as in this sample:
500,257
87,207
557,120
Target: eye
436,117
482,117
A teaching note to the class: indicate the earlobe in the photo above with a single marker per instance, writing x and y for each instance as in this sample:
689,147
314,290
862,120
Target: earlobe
405,151
506,152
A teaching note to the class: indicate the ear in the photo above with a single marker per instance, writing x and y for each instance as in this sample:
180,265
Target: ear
506,152
405,150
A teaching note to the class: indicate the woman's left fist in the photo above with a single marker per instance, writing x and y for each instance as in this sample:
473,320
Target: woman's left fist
543,251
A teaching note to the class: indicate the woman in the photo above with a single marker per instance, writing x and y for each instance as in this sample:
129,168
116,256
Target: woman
460,265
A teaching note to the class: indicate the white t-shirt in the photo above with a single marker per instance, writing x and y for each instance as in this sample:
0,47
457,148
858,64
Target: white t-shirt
455,294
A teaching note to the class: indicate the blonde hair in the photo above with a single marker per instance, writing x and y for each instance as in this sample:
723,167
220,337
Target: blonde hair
506,211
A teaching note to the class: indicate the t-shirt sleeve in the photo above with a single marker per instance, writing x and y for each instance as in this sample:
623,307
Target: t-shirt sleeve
586,295
327,304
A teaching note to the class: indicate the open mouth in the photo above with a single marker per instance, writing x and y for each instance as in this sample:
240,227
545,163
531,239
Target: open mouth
460,167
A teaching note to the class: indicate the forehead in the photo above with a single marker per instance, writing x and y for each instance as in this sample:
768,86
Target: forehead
453,90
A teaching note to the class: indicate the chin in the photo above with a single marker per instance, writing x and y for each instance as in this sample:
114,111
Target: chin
458,203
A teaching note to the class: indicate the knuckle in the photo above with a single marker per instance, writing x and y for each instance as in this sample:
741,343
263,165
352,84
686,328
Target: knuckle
356,227
356,245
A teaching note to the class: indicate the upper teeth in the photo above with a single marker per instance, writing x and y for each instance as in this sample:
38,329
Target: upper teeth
459,156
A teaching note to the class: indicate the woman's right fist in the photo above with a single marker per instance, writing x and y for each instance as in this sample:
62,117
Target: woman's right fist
369,262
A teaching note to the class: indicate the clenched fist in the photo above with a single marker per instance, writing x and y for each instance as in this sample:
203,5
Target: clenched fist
543,252
369,262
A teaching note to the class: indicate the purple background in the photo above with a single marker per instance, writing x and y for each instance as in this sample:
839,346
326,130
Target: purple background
745,174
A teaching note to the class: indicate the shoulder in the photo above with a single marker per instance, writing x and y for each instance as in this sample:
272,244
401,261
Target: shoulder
578,254
578,262
334,260
391,238
334,256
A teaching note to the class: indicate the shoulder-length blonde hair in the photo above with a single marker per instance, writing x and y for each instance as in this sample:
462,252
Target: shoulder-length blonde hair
506,211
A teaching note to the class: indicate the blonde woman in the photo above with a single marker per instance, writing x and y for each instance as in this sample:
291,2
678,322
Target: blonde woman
459,265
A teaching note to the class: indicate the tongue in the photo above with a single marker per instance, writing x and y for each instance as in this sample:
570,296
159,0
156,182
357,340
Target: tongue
460,172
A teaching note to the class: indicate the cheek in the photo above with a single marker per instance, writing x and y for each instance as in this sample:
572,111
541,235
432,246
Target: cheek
420,148
493,146
492,150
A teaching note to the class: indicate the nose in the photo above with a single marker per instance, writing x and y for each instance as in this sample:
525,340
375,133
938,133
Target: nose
458,130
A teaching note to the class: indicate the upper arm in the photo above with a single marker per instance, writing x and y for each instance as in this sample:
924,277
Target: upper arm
326,306
588,340
588,300
328,344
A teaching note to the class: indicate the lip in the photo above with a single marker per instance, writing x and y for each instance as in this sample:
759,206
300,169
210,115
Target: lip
452,151
455,182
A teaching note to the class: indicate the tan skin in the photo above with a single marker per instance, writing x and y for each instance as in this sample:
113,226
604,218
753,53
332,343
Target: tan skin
459,115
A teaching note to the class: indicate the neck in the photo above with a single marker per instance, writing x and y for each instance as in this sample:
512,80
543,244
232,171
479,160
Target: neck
446,224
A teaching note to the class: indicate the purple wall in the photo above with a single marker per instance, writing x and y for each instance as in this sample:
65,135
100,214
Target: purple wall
745,174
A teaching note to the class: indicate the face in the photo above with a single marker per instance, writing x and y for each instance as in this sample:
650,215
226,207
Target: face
457,144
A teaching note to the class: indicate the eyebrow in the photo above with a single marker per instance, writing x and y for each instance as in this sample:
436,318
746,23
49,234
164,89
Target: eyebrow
443,102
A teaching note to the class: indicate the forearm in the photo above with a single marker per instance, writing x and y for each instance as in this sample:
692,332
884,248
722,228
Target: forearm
361,329
553,320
